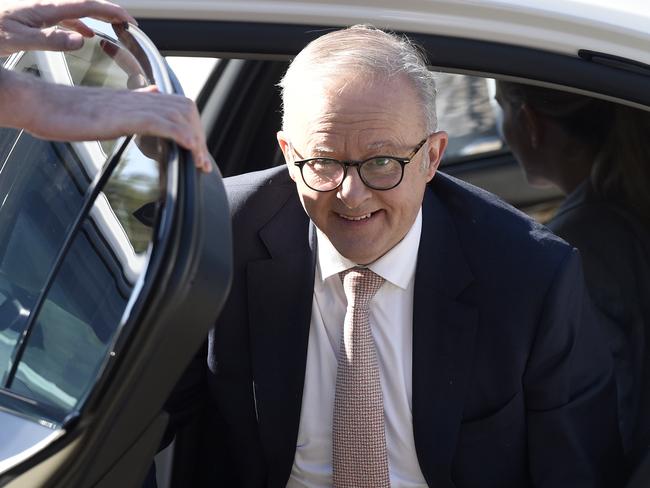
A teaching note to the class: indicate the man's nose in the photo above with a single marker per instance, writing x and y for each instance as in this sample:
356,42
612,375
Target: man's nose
353,192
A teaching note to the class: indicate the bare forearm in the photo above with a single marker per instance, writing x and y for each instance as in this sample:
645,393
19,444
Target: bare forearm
58,112
17,93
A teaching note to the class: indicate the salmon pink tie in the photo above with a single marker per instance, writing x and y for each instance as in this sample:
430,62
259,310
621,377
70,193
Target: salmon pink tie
360,458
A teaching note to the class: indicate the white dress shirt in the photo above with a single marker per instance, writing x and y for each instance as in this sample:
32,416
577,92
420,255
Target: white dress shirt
391,319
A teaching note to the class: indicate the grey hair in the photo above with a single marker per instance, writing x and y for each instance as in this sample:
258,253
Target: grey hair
364,50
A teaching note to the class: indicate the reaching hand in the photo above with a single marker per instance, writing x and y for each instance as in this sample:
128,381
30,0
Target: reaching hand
65,113
30,25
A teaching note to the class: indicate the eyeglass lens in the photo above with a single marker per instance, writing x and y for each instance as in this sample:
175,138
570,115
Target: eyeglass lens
327,174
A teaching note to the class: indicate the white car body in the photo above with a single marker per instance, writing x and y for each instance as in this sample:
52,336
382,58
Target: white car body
561,26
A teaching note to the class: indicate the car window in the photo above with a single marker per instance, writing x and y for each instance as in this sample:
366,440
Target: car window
106,250
81,312
44,187
41,201
192,72
466,110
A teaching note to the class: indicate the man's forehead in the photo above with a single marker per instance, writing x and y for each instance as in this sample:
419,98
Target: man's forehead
351,92
376,117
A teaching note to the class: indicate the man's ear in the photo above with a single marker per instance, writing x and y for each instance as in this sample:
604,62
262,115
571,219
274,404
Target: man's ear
436,149
283,141
533,125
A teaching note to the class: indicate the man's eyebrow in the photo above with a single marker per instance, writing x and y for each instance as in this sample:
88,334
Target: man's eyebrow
372,147
384,145
379,144
322,150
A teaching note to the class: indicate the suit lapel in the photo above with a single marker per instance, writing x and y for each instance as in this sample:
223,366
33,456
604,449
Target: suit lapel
443,342
280,291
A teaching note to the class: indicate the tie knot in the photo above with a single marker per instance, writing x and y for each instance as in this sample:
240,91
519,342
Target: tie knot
360,285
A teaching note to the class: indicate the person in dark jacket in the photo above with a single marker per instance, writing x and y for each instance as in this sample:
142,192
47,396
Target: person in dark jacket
598,154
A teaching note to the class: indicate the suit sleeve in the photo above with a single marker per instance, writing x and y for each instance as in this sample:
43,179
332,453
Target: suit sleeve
570,391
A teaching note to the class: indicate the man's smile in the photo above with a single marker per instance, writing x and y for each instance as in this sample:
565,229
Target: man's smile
359,217
354,218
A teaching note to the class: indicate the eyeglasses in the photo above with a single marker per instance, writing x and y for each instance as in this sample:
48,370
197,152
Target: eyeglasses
378,172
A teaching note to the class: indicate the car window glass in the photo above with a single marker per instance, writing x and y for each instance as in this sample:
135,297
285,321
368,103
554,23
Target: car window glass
81,313
99,63
43,185
465,107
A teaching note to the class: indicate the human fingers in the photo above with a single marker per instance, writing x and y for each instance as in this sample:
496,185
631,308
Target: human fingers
148,89
50,39
202,158
195,136
178,119
77,26
65,10
187,137
144,112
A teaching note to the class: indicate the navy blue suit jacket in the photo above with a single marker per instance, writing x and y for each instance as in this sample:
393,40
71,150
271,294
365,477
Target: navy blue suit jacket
512,380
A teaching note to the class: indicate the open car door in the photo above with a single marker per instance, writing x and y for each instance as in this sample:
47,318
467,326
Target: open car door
115,259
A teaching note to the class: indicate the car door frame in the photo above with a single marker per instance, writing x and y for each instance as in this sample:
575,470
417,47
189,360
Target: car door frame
113,438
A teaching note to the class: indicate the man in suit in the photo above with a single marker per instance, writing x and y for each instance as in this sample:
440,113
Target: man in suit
492,369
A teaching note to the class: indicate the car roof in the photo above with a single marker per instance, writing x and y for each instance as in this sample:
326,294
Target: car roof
564,26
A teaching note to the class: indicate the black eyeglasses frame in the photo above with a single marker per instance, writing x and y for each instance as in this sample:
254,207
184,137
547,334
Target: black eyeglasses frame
347,163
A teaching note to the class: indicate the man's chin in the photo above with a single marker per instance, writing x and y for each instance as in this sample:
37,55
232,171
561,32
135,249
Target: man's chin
358,254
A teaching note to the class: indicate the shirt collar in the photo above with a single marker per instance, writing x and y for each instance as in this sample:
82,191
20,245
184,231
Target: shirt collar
396,266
